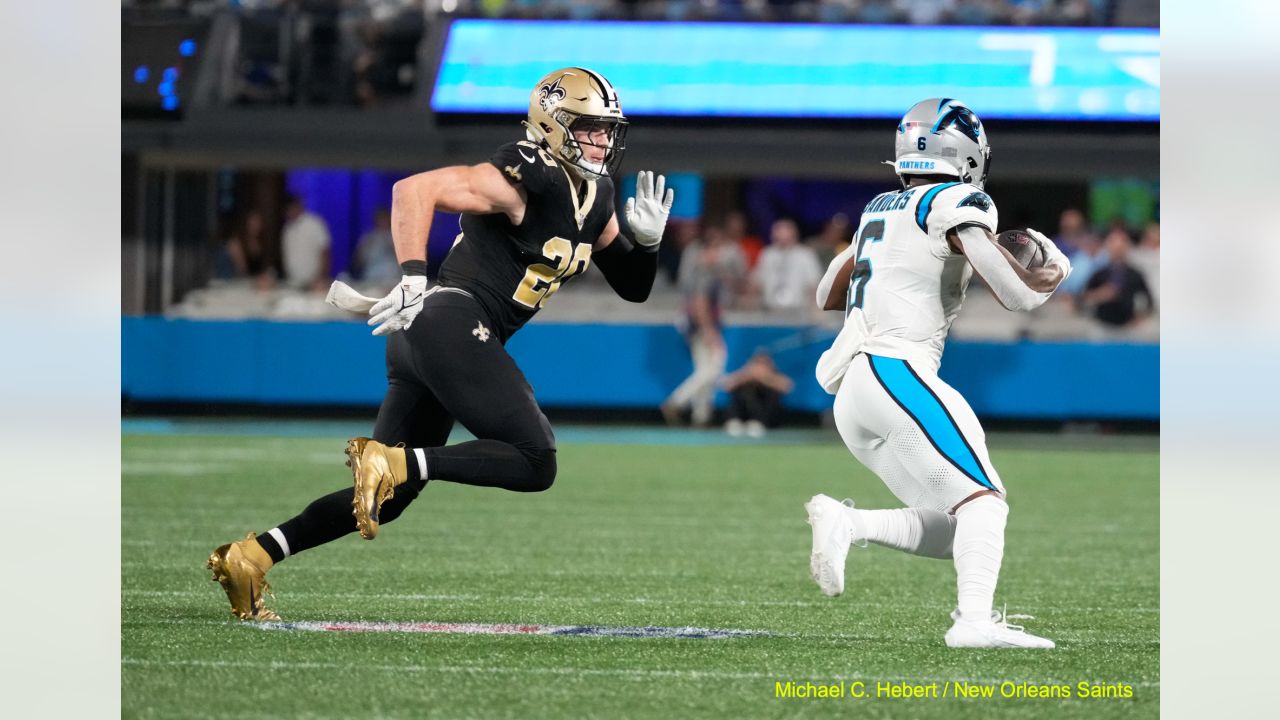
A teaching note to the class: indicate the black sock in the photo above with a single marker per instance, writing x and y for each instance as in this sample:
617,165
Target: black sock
269,543
327,518
415,468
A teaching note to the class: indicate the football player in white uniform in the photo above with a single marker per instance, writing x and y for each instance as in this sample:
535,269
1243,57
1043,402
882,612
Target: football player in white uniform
900,285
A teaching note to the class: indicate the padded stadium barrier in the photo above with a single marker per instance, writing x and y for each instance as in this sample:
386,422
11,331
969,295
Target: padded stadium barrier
610,366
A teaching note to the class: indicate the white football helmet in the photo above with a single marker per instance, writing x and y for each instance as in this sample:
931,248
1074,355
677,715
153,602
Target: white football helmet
942,136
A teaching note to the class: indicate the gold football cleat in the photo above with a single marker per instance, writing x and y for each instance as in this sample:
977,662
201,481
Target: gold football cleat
241,568
377,470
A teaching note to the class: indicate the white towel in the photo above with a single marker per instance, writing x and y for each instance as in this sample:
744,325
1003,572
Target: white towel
835,361
343,296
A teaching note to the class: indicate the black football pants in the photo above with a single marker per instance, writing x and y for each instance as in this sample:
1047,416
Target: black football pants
447,366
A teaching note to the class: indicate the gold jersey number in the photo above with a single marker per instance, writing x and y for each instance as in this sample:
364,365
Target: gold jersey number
542,281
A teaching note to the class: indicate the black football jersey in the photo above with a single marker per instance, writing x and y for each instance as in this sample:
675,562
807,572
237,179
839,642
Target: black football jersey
512,270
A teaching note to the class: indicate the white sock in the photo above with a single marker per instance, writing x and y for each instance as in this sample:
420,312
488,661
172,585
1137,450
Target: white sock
280,539
979,550
919,531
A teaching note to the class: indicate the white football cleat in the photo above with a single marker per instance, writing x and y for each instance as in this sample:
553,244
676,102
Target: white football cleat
832,533
993,633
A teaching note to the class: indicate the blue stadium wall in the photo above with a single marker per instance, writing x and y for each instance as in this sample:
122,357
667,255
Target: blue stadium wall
609,366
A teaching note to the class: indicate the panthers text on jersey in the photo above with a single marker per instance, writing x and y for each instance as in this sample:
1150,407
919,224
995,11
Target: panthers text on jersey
512,270
908,283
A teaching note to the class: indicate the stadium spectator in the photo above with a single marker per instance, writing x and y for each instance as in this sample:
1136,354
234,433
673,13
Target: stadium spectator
834,238
1072,12
880,12
375,258
788,272
246,254
926,12
304,245
1146,259
979,12
705,270
756,390
1112,293
717,265
1088,257
681,235
1028,12
735,224
1072,232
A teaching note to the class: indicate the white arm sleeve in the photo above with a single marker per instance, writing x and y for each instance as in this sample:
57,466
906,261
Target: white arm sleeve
991,264
829,279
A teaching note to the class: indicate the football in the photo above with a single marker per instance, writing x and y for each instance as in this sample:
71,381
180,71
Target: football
1022,247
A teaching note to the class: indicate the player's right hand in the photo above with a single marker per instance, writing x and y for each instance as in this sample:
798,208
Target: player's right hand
1053,256
397,310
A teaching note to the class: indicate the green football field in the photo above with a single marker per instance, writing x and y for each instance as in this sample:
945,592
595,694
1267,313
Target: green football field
643,528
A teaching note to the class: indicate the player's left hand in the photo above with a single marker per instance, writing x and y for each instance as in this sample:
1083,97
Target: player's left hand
1053,256
397,310
647,212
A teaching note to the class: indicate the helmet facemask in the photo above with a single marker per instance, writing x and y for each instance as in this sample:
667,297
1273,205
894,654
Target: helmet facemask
613,142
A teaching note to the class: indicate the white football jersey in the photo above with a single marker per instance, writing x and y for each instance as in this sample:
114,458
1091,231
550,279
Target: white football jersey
908,283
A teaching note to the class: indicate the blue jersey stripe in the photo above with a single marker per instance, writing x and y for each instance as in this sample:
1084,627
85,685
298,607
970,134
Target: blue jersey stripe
913,396
926,205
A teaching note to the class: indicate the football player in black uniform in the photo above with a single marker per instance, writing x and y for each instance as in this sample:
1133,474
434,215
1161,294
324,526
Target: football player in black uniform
533,217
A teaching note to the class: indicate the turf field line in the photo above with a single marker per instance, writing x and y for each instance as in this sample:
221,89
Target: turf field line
606,600
630,673
687,632
821,637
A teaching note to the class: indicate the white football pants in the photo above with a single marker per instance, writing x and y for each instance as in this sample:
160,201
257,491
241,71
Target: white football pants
914,431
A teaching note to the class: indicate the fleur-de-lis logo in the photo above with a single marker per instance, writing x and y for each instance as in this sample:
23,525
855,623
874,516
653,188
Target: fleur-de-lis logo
481,332
513,171
551,93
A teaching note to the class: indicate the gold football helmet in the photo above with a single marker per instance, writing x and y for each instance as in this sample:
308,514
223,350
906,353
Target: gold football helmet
575,99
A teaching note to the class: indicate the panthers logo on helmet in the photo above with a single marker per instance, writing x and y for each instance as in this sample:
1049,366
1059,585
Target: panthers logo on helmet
551,93
962,118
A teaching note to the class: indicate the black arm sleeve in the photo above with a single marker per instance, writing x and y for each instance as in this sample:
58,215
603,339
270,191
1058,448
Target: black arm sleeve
630,269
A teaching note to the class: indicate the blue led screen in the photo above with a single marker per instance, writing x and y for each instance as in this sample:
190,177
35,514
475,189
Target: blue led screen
813,71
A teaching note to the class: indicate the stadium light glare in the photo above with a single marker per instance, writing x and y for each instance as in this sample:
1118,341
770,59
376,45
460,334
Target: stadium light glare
170,102
165,88
170,74
187,48
141,73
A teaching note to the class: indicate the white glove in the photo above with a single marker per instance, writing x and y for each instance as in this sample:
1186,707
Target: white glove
646,215
1052,255
397,310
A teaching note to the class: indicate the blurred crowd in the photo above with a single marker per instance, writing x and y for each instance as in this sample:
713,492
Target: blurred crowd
711,273
724,266
916,12
368,52
709,268
1111,294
